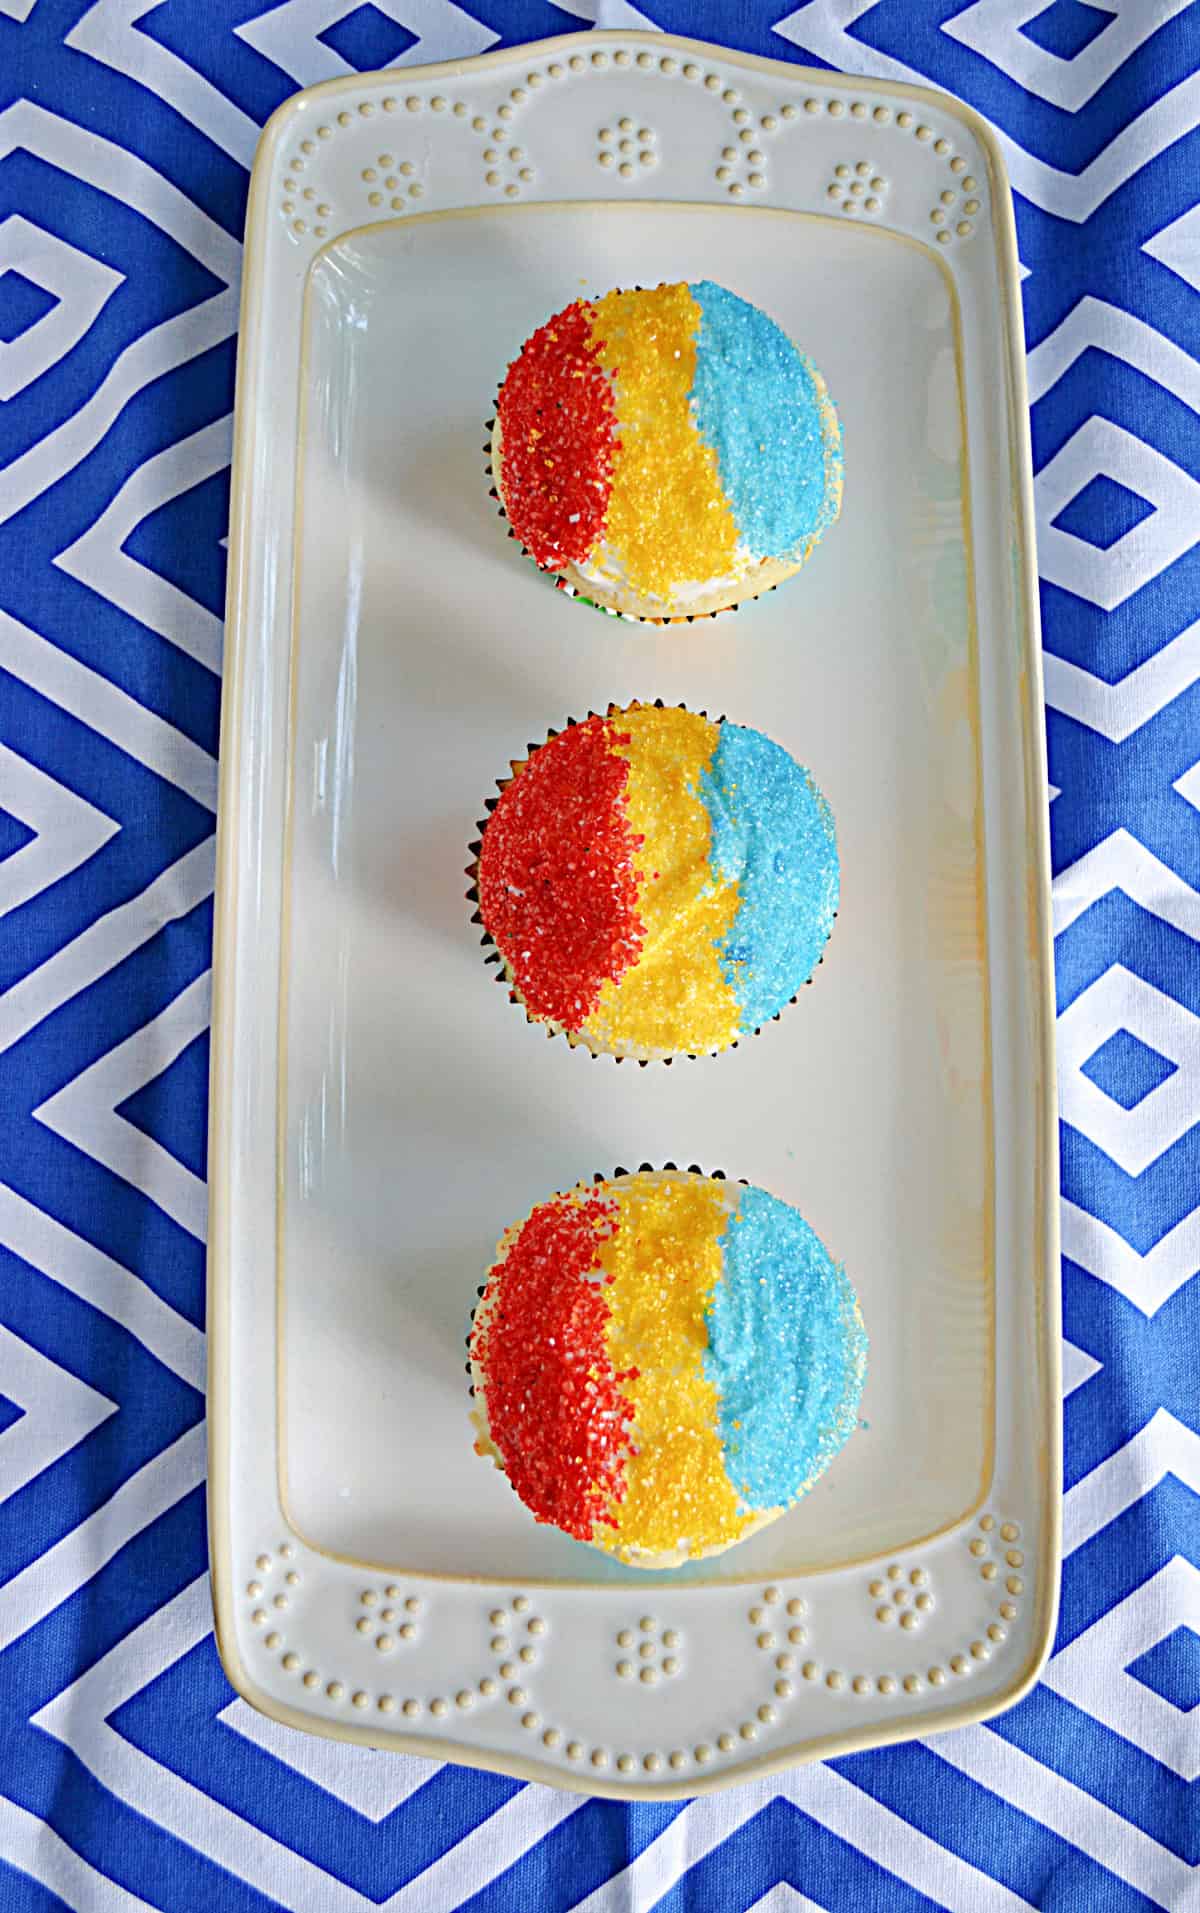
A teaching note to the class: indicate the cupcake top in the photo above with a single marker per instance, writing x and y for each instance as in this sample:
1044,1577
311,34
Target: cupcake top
665,1361
664,442
657,883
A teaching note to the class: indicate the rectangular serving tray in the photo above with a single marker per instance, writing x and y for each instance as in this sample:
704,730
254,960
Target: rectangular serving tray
380,1113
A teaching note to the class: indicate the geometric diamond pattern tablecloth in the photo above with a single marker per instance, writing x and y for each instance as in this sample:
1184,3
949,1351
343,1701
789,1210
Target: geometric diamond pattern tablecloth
130,1776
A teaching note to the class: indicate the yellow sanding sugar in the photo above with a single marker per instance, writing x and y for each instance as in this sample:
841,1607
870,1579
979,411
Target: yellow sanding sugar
665,1258
669,521
676,996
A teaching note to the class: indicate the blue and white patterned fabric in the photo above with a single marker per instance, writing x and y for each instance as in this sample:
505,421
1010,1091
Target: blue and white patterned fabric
130,1776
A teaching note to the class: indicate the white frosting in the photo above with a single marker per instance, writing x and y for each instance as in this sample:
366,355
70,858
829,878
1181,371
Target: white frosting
604,568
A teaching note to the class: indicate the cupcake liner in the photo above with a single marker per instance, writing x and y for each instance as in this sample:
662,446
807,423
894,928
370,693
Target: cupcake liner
494,956
573,591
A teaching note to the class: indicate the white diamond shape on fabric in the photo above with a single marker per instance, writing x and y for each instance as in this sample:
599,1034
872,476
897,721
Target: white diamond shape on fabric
1119,1701
1118,710
35,1848
1107,578
82,285
84,1111
60,1411
1068,195
613,15
1188,786
992,29
900,1850
1078,1367
1177,247
288,35
354,1775
1119,1000
67,830
97,559
1163,1447
785,1899
79,1716
108,32
98,163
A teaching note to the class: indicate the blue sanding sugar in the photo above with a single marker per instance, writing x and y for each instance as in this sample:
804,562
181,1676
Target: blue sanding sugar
756,402
787,1352
772,835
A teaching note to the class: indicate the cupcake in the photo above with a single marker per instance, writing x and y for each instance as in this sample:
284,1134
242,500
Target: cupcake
666,452
664,1363
656,883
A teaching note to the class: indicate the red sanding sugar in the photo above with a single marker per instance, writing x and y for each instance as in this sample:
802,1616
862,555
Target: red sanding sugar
557,888
554,1404
557,418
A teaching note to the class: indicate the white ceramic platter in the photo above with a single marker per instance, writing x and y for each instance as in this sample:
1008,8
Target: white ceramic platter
380,1112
